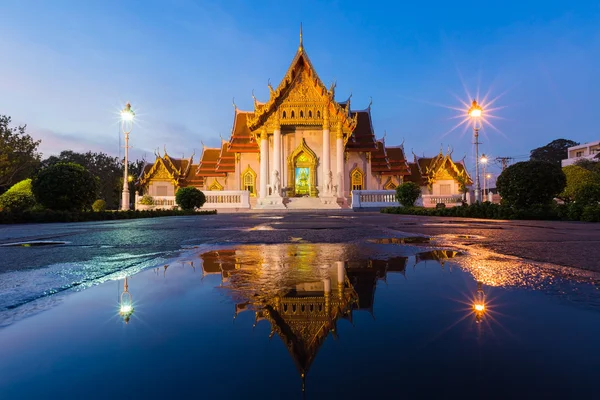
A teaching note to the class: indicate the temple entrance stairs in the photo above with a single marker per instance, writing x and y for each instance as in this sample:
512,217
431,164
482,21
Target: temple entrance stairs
308,203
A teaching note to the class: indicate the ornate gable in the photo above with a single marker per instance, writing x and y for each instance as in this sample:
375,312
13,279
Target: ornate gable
301,99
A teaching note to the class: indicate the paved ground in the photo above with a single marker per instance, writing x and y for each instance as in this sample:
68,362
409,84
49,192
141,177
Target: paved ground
561,243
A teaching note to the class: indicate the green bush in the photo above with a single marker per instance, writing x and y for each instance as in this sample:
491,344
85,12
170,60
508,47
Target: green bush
190,198
528,183
440,205
18,198
65,186
147,200
408,193
577,177
587,194
591,213
99,205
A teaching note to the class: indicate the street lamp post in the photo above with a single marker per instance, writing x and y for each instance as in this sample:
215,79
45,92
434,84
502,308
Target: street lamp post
484,161
475,113
127,116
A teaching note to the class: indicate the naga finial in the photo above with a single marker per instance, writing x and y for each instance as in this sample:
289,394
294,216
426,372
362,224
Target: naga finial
254,97
332,88
300,47
233,102
165,149
370,102
270,87
203,145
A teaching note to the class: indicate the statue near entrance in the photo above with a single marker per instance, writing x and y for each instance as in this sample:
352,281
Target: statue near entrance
276,185
330,188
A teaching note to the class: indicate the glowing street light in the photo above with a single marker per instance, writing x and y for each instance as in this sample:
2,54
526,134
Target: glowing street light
126,303
479,303
475,112
127,116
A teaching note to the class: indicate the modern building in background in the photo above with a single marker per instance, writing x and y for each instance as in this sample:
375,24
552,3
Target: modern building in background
583,151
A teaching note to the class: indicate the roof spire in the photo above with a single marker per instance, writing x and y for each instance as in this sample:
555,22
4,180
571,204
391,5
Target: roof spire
300,47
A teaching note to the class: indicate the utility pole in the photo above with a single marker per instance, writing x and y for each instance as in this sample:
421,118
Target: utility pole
504,161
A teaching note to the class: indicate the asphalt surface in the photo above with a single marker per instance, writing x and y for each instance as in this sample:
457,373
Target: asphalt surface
561,243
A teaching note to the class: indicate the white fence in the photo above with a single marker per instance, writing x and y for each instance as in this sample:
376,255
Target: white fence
227,199
214,199
374,199
450,201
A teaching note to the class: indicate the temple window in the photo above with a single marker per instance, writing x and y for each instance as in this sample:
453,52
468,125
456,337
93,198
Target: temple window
301,114
389,185
284,115
292,114
309,114
357,179
249,181
318,114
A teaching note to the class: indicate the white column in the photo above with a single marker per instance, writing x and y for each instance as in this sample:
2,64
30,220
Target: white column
339,149
264,162
326,159
277,154
368,174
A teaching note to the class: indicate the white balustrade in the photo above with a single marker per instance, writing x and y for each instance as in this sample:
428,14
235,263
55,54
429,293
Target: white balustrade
374,199
450,201
214,199
227,199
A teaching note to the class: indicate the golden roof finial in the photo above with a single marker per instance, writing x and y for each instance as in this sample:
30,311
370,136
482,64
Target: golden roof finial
300,47
233,102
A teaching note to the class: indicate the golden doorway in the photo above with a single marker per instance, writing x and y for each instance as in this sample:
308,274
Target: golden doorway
302,167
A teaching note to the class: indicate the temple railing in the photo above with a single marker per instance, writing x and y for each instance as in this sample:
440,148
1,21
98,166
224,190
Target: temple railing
214,199
374,199
430,200
227,199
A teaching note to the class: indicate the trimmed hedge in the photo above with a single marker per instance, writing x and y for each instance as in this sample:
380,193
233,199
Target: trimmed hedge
564,212
85,216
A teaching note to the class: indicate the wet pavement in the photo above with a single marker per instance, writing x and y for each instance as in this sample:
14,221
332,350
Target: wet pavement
313,305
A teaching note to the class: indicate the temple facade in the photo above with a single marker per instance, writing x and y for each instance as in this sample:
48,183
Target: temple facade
301,148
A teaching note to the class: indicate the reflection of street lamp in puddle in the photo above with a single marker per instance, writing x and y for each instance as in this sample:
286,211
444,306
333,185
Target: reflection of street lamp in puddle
479,303
126,303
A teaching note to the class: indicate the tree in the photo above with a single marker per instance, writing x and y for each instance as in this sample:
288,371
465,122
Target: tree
189,198
18,198
576,178
530,183
65,186
588,164
18,154
407,193
587,194
554,152
108,169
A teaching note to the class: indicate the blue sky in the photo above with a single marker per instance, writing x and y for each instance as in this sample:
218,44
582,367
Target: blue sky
69,66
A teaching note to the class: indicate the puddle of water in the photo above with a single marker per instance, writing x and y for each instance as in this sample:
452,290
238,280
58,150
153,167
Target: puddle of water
312,315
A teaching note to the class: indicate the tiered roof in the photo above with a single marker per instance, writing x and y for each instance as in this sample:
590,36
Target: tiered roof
397,162
242,140
208,162
429,167
363,136
226,161
175,169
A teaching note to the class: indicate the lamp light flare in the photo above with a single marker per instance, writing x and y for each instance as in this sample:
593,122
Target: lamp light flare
484,159
127,113
479,307
475,111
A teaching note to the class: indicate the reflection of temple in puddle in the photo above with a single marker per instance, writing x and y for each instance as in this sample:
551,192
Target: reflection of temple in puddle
301,298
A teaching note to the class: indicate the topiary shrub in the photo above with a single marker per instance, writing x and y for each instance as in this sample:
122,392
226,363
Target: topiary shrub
587,194
440,205
529,183
18,198
99,205
189,198
147,200
408,193
65,186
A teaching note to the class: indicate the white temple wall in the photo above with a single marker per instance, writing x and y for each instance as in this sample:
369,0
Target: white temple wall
355,159
161,188
446,187
252,160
